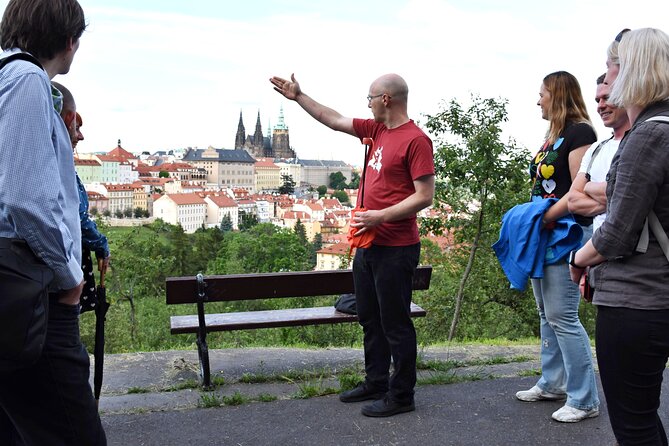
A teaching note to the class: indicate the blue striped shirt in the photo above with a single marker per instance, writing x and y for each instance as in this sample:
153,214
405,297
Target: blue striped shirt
39,201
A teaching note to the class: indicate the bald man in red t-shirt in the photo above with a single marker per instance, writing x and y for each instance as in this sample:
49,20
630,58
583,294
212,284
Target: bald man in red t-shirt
399,182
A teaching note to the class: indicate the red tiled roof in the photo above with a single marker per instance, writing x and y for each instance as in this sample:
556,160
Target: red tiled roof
336,249
222,201
292,215
116,187
184,199
108,159
265,163
86,162
122,154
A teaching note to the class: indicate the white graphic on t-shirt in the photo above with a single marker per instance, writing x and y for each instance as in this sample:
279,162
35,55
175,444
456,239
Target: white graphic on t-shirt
375,162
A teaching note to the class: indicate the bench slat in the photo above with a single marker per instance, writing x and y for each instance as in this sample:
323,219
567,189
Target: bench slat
183,290
269,319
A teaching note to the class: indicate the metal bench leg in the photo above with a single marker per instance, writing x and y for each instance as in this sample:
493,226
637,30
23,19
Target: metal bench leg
202,349
203,356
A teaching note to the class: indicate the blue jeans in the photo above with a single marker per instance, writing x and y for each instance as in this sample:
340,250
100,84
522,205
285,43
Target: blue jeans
383,278
51,402
566,356
632,352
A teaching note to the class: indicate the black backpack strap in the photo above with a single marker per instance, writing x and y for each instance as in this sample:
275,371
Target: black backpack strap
20,56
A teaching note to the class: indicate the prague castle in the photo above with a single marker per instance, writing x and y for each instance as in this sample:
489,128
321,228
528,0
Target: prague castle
275,145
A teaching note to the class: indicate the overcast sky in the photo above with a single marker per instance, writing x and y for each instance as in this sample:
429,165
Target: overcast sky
164,74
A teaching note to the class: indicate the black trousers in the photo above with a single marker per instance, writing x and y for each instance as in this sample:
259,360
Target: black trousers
51,402
383,282
632,353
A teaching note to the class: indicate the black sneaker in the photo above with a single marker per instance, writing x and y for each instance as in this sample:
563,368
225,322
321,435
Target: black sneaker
386,407
360,393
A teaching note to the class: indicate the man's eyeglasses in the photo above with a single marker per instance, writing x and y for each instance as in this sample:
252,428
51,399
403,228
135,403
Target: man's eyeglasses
369,98
621,34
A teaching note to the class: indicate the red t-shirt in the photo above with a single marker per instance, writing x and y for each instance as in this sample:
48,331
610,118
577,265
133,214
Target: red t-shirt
399,156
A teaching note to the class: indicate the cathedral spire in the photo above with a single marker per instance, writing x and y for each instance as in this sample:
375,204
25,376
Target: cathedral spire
258,136
281,125
240,138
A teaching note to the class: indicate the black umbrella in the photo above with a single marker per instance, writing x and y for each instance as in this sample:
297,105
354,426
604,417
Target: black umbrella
101,308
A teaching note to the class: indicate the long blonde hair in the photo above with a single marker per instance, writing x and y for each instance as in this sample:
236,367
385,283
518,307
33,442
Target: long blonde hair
566,104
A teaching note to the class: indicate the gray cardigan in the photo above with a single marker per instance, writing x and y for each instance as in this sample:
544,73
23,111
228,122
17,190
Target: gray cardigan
637,182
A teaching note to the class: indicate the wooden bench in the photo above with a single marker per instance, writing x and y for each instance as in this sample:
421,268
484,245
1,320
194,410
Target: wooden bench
200,289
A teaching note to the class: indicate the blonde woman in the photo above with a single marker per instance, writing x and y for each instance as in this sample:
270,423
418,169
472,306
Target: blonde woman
632,287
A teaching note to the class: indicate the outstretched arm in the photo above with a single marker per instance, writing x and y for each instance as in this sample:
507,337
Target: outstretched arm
290,89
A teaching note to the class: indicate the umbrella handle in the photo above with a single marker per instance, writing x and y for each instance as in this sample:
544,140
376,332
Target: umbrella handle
103,271
369,144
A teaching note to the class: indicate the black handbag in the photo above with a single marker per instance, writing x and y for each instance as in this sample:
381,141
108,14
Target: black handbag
346,304
24,304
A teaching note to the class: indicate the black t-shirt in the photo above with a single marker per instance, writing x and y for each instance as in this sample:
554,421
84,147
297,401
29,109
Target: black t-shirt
549,168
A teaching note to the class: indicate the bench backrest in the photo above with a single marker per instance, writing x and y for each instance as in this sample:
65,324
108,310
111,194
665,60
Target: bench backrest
183,290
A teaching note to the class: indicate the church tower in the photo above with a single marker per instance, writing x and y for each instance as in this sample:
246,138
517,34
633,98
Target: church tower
280,139
258,140
240,138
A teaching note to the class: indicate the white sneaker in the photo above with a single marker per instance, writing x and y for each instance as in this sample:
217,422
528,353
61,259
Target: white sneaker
536,394
568,414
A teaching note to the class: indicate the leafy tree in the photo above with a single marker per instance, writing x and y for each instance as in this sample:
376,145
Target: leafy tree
478,179
205,243
180,249
163,174
288,186
263,248
337,181
341,196
93,211
107,213
322,190
139,212
301,232
118,213
127,212
316,246
355,180
247,220
226,223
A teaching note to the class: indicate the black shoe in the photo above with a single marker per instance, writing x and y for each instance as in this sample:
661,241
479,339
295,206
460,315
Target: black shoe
386,407
360,393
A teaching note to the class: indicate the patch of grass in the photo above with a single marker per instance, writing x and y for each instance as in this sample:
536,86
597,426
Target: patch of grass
489,341
217,380
306,375
136,390
350,379
444,366
442,378
210,399
235,399
266,398
530,372
437,365
311,390
256,378
183,385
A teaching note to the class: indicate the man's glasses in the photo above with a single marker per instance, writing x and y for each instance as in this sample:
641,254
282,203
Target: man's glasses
369,98
621,34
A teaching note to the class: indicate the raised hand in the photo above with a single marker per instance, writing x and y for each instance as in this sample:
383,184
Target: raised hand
289,88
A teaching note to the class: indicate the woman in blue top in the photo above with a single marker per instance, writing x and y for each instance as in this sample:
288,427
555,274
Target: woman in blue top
566,357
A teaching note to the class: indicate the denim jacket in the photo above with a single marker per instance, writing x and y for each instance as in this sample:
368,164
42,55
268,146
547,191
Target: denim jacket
91,238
